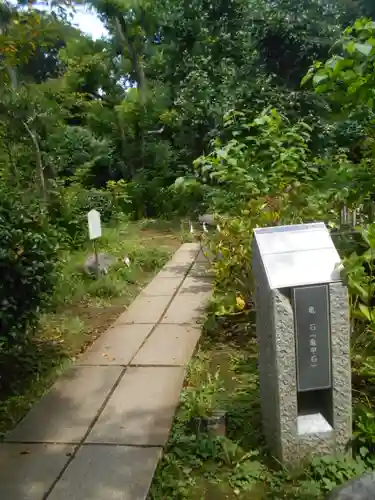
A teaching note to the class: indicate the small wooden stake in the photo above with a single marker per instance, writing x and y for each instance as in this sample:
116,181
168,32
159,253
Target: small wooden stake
97,270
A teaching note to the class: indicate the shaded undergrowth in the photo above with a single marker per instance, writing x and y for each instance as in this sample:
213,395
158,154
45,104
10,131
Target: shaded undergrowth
206,467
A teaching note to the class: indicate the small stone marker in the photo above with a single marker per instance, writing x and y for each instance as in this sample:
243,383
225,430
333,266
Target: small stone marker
304,336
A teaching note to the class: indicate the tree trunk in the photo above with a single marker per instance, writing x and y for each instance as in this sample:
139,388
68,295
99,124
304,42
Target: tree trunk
140,77
39,162
123,145
135,58
12,77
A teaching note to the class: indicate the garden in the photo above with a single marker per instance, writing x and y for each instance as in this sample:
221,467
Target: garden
260,112
266,174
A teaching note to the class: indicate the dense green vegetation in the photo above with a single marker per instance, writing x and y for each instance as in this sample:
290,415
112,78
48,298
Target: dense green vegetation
271,168
261,111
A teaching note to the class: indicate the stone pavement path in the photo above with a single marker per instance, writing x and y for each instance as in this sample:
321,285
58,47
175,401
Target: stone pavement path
98,433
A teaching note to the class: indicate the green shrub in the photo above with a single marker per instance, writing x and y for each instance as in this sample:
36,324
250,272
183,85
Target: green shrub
76,152
68,208
148,259
264,156
99,199
119,191
28,254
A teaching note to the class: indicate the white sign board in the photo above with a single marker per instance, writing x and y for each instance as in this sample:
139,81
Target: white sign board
95,227
302,254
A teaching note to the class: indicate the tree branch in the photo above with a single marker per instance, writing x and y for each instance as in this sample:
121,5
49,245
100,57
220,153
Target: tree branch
39,162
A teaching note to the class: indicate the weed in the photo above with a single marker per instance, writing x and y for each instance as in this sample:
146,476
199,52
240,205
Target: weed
199,397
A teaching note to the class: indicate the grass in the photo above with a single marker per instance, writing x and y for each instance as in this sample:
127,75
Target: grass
205,467
82,308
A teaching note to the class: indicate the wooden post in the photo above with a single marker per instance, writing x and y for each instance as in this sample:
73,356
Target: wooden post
97,270
95,231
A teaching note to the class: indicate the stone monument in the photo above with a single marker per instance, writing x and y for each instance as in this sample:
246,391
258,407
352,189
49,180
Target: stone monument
304,342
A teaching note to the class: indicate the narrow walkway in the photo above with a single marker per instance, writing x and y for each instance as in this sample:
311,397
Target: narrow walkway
99,432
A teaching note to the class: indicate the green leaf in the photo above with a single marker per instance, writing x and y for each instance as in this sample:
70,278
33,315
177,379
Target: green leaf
179,182
308,76
364,48
365,310
318,78
350,47
360,290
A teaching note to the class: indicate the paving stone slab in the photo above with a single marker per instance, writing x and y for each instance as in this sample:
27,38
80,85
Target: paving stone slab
144,309
117,345
186,308
202,269
185,255
175,270
64,414
194,245
27,472
162,286
141,409
196,284
108,473
169,345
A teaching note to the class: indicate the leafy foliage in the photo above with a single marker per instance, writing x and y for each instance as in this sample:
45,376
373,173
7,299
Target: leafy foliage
347,76
264,157
263,170
27,261
68,208
186,106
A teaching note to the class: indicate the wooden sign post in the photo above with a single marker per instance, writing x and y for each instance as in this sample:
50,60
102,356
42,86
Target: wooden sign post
95,232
